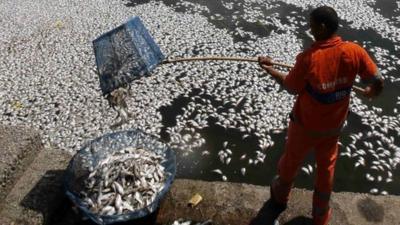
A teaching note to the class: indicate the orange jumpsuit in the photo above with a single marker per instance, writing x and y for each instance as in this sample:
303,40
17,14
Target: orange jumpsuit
322,77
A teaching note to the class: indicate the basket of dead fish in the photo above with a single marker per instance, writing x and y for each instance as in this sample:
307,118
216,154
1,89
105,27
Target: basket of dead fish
120,176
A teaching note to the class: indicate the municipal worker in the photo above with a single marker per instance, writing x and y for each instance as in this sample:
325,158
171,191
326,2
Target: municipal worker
322,79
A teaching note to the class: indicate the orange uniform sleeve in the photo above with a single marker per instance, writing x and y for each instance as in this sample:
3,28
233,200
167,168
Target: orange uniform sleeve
295,81
368,70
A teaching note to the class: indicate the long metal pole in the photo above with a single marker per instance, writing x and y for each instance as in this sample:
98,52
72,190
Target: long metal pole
355,88
222,58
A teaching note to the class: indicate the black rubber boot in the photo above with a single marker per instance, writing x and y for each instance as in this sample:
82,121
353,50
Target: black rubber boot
278,206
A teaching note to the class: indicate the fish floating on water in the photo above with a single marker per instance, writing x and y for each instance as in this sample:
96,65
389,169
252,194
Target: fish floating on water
243,171
125,181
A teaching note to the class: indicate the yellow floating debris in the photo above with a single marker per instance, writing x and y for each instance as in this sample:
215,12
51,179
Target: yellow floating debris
17,105
195,200
59,24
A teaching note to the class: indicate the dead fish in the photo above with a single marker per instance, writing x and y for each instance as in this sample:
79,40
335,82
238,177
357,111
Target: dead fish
310,168
118,188
243,171
108,210
205,153
217,171
118,204
222,158
305,170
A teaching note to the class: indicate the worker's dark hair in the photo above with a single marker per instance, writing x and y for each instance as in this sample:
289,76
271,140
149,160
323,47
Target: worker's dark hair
326,15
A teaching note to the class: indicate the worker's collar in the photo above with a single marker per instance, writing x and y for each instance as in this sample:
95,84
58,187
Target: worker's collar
334,40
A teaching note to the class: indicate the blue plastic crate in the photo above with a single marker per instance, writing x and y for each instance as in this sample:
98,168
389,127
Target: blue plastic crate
125,54
96,150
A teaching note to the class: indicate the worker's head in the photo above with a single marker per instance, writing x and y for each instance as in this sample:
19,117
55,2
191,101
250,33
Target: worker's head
324,22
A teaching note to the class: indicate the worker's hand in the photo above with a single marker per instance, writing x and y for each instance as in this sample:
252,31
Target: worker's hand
373,89
265,63
265,60
369,92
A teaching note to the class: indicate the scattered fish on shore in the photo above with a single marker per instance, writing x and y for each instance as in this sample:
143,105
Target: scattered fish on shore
188,222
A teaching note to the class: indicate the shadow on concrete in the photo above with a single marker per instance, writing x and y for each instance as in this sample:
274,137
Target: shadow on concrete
270,212
72,217
48,198
371,210
66,215
45,197
267,214
300,220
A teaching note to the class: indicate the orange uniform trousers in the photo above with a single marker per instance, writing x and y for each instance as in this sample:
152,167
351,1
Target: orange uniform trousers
299,144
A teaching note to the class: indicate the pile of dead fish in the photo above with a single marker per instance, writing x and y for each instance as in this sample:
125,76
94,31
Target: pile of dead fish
128,180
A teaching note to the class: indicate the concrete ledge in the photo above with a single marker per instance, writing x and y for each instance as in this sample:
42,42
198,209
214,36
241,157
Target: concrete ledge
38,193
367,209
37,196
224,203
19,145
238,204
